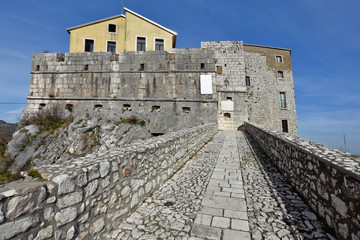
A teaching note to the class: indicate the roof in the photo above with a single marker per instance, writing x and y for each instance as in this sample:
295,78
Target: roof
148,20
253,45
121,15
101,20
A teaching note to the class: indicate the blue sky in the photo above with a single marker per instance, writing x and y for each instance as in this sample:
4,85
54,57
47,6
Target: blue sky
324,36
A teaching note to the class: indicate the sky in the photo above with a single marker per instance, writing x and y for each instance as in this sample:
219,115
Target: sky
324,36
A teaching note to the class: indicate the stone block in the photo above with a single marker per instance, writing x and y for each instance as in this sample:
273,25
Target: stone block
65,216
70,199
65,184
206,232
11,229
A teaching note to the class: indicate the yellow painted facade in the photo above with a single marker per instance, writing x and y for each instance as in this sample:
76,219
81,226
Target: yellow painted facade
128,29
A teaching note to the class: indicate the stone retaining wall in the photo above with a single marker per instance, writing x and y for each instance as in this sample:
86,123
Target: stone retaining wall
86,197
328,179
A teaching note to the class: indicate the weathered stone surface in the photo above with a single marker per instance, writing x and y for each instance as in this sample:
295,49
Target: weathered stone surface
91,188
65,184
70,199
11,229
97,226
70,233
44,233
104,168
65,216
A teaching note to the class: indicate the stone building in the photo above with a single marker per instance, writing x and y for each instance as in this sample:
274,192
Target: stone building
226,83
129,32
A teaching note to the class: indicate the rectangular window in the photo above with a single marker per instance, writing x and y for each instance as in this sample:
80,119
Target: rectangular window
159,44
282,100
111,46
111,28
89,45
141,44
278,59
285,125
280,74
247,81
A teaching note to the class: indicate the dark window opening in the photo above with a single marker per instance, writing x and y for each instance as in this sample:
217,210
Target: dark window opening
142,67
278,59
227,115
225,65
141,44
159,44
282,100
202,66
280,74
219,69
86,67
97,107
247,81
186,110
112,28
69,107
89,45
111,46
155,109
285,125
229,98
37,67
42,106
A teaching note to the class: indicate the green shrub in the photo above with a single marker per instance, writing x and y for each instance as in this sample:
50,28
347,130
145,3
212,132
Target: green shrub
142,123
8,177
34,173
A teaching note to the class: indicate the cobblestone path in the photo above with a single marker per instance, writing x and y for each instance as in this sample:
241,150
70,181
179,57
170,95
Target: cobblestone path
229,190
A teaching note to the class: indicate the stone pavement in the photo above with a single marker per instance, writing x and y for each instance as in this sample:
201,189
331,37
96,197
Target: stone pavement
229,190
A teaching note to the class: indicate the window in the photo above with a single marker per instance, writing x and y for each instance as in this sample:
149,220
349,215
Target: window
280,74
247,81
285,125
155,109
186,110
278,59
282,100
202,65
219,69
111,46
89,45
141,44
98,107
159,44
111,28
69,107
227,115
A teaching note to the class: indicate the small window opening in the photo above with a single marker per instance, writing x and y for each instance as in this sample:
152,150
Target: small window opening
69,107
247,81
126,106
278,59
282,100
227,115
285,125
89,45
202,66
86,67
225,65
141,44
111,46
42,106
280,74
219,69
37,67
112,28
186,110
98,107
142,67
155,109
159,44
229,98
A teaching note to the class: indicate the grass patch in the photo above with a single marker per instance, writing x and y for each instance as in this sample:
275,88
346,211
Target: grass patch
34,174
6,177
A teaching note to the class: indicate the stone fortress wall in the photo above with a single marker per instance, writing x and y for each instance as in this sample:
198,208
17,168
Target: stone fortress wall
328,179
87,197
165,87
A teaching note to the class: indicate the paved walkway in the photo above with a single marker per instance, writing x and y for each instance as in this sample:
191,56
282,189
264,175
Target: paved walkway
229,190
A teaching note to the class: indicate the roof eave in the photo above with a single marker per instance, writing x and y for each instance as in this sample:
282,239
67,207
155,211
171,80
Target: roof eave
97,21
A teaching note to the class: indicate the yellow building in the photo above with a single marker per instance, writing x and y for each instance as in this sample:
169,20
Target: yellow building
129,32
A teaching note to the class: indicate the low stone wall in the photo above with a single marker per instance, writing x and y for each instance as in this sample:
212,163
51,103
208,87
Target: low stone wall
328,179
86,197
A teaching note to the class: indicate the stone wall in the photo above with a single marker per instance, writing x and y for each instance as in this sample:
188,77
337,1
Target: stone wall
328,179
161,87
86,197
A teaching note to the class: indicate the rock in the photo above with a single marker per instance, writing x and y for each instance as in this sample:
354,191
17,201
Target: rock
44,233
65,216
49,214
97,226
91,188
104,169
70,233
65,183
70,199
11,229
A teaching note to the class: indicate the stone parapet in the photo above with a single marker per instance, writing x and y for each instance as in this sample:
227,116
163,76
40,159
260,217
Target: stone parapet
86,197
328,179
